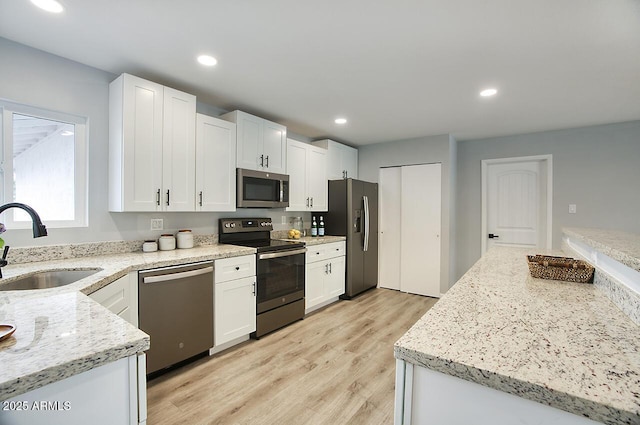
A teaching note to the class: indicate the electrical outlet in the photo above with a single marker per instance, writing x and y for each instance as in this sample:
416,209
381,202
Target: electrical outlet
572,209
157,224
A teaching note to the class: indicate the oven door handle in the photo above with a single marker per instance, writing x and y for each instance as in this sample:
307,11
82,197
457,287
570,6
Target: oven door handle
268,255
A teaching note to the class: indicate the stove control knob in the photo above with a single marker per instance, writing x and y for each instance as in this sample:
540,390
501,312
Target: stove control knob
232,225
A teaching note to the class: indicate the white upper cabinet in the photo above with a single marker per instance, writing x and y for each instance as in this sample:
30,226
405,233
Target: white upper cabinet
342,161
307,169
215,164
261,144
151,147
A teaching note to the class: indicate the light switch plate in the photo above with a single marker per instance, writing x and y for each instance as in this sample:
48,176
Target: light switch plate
157,224
572,209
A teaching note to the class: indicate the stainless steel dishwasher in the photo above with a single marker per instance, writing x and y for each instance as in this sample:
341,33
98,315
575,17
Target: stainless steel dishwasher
176,310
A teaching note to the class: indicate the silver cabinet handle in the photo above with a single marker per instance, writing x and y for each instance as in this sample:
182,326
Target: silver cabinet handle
176,276
158,197
200,198
262,160
281,254
312,202
326,268
167,196
307,202
254,289
267,161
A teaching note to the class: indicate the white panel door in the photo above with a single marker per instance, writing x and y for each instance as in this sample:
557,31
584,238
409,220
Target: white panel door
297,170
249,145
389,197
142,143
421,227
317,183
513,204
274,147
215,164
235,309
179,151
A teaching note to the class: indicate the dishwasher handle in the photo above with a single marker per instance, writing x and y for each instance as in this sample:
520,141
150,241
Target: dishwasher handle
175,276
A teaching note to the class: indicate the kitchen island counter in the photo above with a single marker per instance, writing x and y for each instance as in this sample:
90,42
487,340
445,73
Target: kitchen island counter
562,344
60,332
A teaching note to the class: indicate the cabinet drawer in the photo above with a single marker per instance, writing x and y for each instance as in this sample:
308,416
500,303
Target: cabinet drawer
324,251
235,268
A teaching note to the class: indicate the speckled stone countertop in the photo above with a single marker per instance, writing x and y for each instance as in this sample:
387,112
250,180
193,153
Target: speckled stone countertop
61,332
621,246
561,344
309,240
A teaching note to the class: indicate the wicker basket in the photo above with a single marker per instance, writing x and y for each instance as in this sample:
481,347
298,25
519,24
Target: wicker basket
560,268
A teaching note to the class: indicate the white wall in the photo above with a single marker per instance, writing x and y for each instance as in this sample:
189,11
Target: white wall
597,168
43,80
422,150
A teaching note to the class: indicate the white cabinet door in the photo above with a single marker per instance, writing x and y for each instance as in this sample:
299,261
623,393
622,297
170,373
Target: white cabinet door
215,164
135,144
179,151
274,147
349,161
151,147
297,170
334,284
249,139
235,309
342,160
121,297
317,184
261,144
314,283
307,169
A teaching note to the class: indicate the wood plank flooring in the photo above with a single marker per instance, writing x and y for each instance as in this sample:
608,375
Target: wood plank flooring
334,367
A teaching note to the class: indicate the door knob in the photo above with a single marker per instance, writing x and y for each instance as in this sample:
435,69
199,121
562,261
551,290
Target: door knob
492,236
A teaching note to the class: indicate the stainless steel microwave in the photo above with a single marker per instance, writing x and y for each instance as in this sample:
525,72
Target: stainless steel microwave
259,189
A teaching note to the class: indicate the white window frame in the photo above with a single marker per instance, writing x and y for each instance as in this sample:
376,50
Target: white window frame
7,109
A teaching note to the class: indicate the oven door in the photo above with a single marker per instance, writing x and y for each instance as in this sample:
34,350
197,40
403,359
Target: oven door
280,277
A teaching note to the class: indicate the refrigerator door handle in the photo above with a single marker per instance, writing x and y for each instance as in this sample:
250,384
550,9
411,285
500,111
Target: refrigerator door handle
366,222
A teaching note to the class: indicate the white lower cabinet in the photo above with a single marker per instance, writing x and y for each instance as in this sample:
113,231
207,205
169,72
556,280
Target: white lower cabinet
115,393
234,299
324,275
120,297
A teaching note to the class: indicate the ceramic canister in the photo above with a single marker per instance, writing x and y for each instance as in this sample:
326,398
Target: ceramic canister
185,239
149,246
167,242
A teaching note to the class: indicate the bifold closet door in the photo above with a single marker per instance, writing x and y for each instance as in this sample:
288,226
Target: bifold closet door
421,225
389,198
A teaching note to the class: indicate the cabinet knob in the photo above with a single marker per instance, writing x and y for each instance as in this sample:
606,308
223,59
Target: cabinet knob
237,268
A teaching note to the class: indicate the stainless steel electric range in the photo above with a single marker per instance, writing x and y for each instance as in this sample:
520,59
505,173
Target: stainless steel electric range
280,269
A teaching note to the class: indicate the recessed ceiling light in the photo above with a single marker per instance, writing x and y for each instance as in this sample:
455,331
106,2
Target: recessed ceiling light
488,92
49,5
207,60
340,121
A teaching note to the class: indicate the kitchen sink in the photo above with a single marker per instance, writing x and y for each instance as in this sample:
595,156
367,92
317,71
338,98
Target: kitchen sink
47,279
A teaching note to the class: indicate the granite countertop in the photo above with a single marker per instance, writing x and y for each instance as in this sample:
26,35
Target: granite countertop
561,344
621,246
61,332
310,240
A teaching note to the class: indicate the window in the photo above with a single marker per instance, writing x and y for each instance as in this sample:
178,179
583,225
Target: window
43,165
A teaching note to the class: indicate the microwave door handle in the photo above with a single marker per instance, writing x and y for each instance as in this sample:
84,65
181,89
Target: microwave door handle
366,223
281,190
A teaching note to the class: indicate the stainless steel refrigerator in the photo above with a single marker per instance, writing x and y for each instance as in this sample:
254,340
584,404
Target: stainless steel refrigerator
353,212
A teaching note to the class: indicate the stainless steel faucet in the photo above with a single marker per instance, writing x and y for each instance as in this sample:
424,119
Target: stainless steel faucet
39,229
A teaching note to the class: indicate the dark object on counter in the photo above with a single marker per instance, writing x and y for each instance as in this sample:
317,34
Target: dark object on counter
353,212
560,268
39,229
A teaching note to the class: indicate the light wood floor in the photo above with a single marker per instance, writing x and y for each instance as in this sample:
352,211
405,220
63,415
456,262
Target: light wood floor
334,367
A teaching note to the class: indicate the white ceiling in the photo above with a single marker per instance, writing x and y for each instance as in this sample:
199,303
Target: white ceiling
396,69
